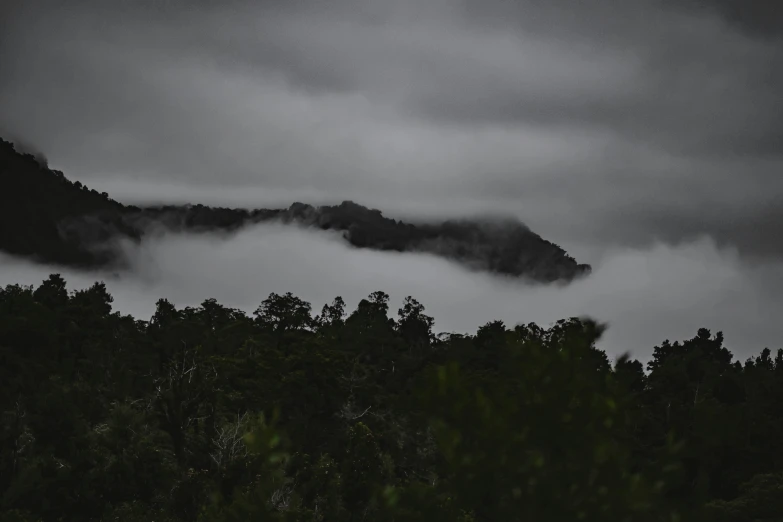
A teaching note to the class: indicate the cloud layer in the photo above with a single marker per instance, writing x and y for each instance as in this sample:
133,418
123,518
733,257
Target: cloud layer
645,296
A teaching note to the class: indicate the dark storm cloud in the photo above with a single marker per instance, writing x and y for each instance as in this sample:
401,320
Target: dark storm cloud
759,19
610,122
686,83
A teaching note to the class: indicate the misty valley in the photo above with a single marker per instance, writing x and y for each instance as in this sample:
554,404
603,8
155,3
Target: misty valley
211,413
391,261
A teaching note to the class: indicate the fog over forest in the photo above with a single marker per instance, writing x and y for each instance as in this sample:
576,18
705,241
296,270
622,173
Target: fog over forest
646,296
232,232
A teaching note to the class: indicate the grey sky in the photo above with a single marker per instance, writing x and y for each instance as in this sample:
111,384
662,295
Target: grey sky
613,123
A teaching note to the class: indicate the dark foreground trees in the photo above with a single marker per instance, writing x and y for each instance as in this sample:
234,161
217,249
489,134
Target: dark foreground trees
208,414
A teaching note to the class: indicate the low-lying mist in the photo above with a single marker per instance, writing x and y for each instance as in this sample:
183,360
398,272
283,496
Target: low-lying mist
645,296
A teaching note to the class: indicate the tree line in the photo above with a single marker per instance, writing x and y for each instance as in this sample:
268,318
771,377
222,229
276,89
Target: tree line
211,414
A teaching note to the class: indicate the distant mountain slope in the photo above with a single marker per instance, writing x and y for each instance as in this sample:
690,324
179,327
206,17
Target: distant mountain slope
46,217
36,206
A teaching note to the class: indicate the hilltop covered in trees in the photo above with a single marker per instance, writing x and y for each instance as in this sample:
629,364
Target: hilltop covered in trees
208,414
45,216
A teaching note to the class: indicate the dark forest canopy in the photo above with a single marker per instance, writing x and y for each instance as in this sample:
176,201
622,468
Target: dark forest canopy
45,216
210,414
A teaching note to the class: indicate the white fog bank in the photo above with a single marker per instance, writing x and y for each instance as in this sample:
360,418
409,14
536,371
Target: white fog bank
645,296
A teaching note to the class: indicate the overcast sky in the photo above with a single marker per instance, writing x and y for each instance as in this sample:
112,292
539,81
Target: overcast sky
621,122
606,126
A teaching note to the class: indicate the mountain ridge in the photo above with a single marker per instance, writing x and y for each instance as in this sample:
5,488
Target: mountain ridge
46,217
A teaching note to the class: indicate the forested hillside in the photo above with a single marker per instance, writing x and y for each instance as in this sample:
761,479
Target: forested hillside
208,414
38,207
46,217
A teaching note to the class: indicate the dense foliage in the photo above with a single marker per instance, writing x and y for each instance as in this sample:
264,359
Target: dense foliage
208,414
45,216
